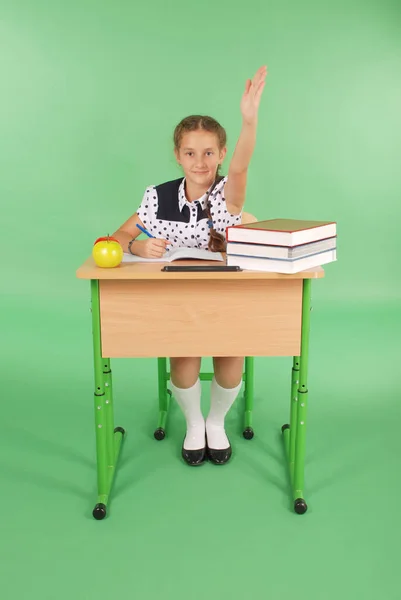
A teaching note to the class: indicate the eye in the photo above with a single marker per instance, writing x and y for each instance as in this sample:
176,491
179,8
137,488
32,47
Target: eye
188,153
210,152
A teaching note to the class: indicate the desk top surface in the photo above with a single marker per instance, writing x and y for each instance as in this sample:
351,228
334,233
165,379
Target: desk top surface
144,270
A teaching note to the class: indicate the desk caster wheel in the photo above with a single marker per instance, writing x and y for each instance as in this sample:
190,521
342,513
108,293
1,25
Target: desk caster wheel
248,433
159,434
300,506
99,512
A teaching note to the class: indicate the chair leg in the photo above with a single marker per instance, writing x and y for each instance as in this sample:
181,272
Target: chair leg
248,432
164,399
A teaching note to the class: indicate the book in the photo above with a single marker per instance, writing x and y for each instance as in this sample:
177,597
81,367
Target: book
282,266
281,252
177,254
282,232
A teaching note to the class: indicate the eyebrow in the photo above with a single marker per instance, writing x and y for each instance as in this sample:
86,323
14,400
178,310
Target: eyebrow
193,148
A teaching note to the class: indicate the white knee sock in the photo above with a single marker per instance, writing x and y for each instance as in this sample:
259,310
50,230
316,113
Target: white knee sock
220,403
189,400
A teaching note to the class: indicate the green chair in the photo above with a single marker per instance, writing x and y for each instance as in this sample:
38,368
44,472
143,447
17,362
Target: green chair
165,396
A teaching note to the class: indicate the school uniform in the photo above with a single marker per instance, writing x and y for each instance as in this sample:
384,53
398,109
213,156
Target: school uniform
166,213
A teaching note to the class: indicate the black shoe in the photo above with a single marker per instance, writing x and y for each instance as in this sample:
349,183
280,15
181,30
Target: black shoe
219,457
194,458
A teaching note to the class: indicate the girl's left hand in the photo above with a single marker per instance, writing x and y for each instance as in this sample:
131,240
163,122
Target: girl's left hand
252,95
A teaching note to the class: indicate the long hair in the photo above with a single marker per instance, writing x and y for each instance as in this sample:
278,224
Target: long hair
217,241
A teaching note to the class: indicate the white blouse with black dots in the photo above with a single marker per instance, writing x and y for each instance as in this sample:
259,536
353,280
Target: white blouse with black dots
194,231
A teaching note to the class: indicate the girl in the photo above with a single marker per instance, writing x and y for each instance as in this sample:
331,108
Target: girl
194,211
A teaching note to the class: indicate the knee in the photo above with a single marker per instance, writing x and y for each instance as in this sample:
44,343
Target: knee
228,370
185,371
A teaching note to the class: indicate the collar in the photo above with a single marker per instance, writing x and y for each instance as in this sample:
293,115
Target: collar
182,200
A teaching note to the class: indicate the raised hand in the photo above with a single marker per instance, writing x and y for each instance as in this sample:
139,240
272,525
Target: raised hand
252,95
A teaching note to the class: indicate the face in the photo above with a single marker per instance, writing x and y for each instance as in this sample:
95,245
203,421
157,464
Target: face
199,156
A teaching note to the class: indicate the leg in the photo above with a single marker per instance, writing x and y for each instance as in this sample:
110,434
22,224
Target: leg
228,370
226,384
109,413
249,379
184,371
289,431
299,458
186,388
108,440
164,398
294,435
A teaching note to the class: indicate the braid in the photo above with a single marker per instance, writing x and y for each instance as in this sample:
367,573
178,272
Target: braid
217,242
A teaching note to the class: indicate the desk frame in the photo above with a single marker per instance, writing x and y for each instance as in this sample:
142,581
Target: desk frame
109,439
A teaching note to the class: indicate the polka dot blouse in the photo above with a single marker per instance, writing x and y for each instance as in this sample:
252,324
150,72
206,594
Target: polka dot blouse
166,213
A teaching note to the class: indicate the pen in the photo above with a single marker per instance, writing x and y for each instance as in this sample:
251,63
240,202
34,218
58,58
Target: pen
145,231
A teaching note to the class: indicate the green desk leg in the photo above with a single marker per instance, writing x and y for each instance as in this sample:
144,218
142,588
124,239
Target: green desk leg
108,439
294,433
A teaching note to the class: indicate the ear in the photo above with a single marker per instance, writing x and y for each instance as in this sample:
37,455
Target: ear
177,155
223,153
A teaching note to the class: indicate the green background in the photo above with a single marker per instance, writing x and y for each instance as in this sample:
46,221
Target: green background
91,93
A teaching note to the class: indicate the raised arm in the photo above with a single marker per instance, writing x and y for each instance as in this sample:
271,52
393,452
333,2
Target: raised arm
237,173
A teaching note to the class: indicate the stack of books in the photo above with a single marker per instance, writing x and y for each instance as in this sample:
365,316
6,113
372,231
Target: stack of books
282,245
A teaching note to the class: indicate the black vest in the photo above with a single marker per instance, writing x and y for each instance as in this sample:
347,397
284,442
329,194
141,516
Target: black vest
168,207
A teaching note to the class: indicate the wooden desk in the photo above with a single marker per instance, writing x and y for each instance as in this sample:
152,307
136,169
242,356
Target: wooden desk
140,311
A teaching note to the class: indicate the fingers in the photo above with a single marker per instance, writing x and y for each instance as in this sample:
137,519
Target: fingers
259,91
161,243
158,248
256,89
156,252
259,76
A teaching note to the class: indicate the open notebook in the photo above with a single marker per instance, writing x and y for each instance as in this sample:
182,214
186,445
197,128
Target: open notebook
177,254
